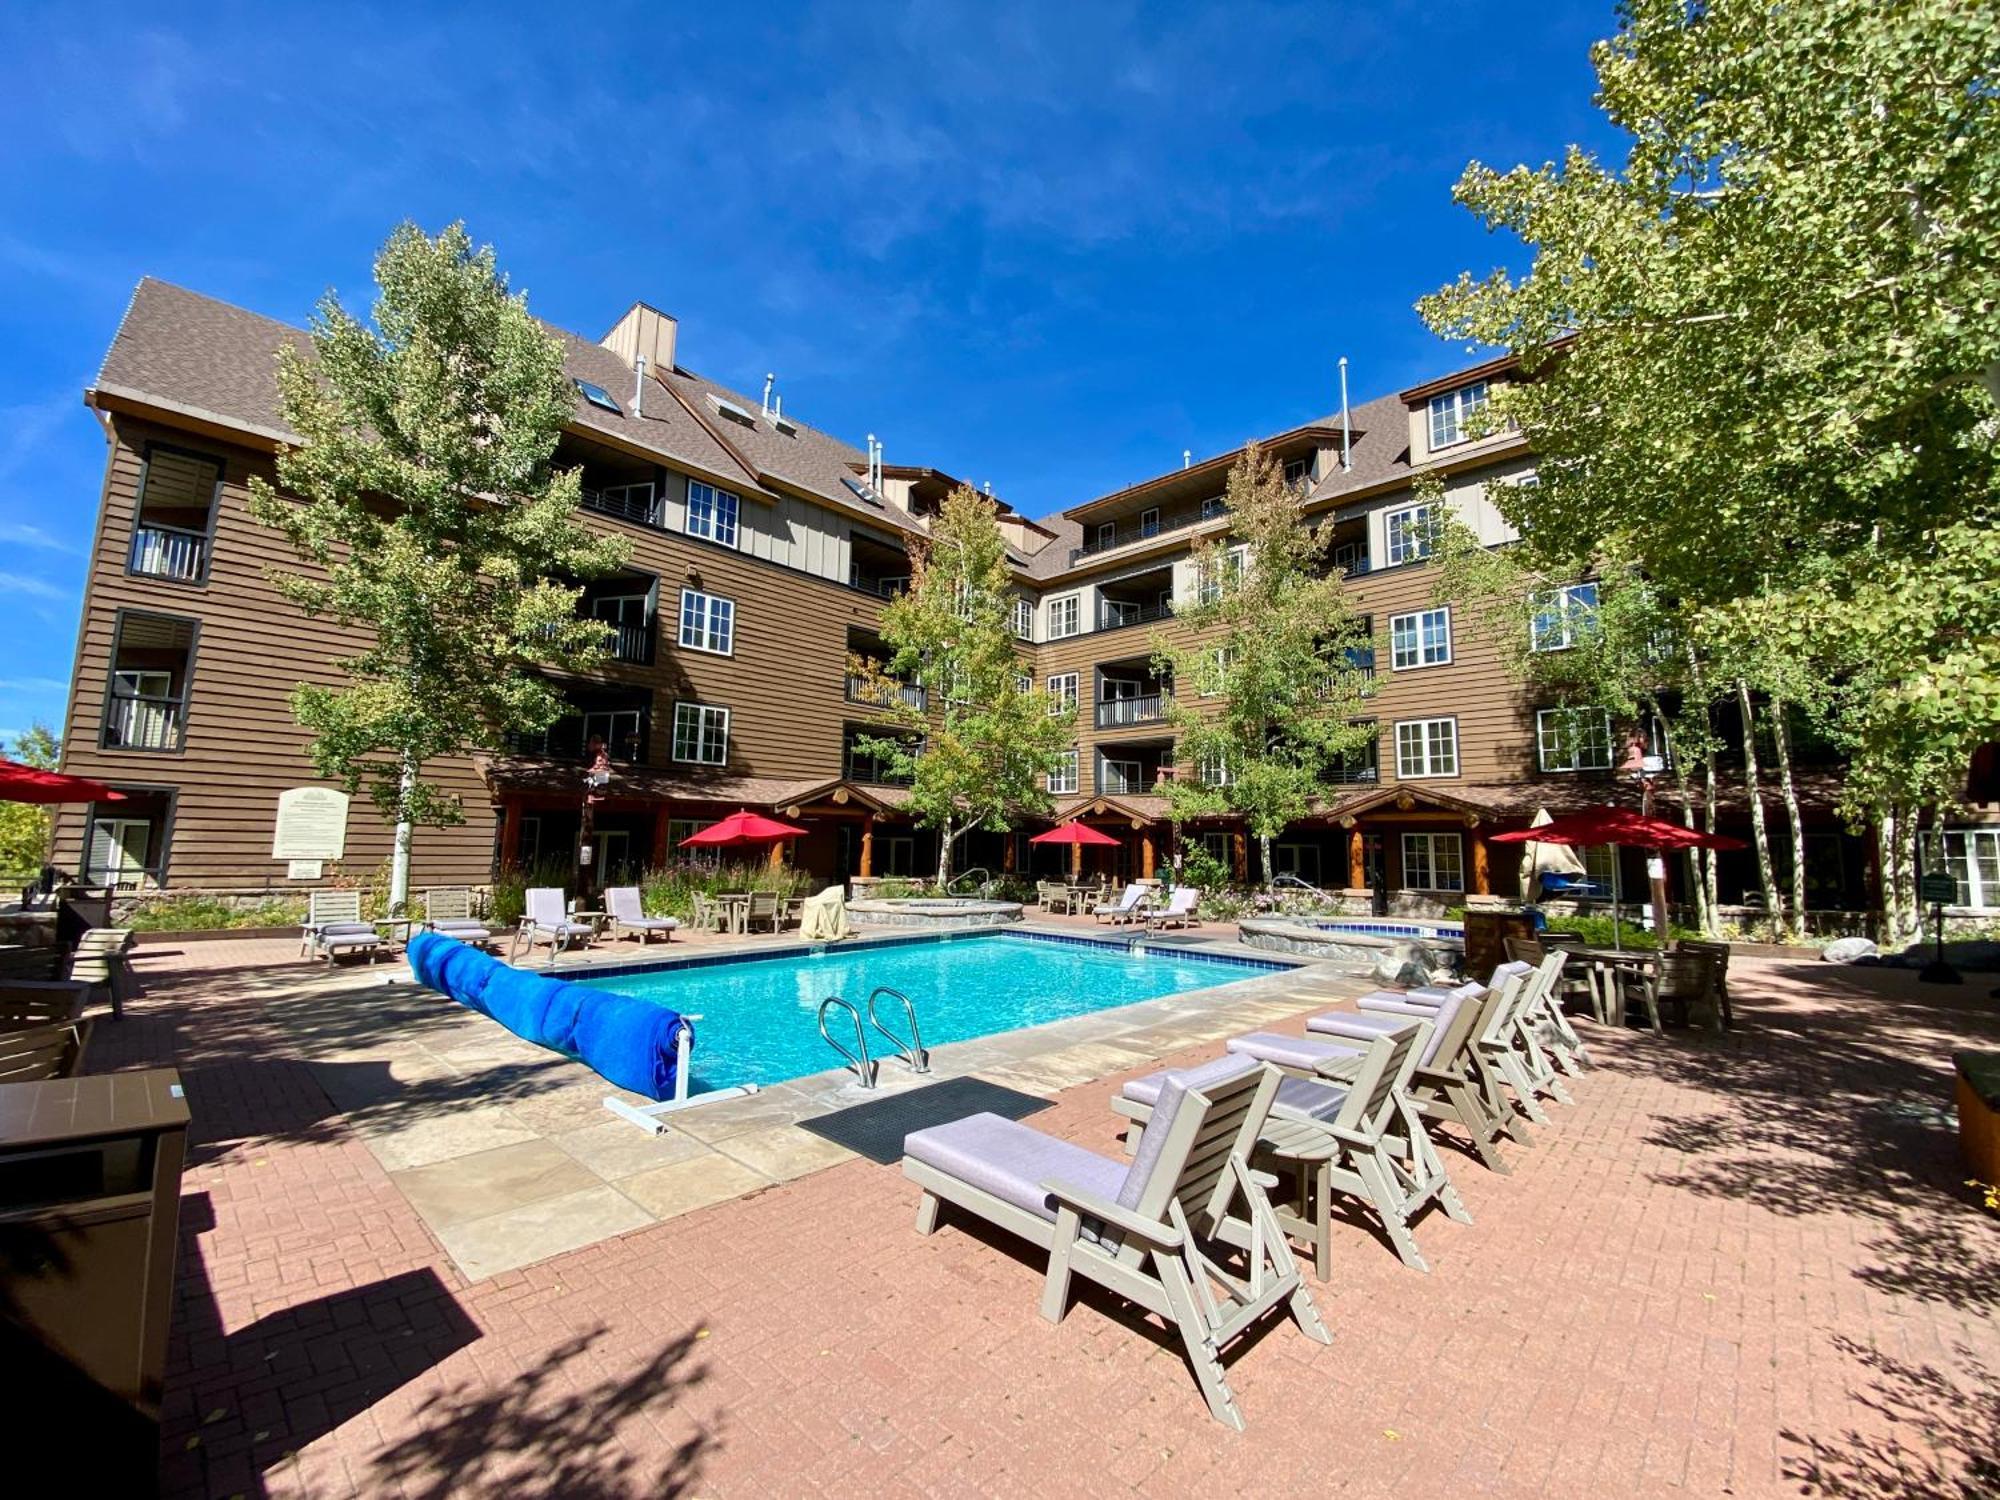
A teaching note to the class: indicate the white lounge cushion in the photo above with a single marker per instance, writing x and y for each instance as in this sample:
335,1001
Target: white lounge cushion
1011,1161
1291,1051
1303,1098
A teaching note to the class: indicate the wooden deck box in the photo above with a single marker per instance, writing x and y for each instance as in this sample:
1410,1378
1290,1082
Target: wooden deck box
1979,1114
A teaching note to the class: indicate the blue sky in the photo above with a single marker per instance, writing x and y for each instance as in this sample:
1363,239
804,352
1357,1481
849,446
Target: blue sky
1048,246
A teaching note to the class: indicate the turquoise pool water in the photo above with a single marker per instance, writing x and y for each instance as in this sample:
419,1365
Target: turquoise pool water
760,1015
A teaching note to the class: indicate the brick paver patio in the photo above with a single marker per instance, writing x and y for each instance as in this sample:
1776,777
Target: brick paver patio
1738,1267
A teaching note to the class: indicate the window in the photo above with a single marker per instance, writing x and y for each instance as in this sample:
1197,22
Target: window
1117,776
1149,521
1024,619
1411,535
1573,739
1107,534
146,689
1432,862
1024,683
1563,617
120,852
1351,558
631,618
1972,855
1216,847
1218,574
178,491
619,728
1420,639
711,513
1212,770
1600,863
1214,506
1062,694
1065,616
1453,414
708,622
1298,473
1427,747
701,734
1356,766
1063,777
599,397
680,830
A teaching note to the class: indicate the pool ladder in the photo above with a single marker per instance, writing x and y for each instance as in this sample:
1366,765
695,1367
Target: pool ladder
914,1054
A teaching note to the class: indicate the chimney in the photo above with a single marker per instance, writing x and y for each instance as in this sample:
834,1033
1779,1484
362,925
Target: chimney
639,388
769,381
1346,431
1187,457
644,333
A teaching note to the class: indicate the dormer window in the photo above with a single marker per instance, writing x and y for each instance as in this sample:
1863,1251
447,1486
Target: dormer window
1454,413
599,397
1298,474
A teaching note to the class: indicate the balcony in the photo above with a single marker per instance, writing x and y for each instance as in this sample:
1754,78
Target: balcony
1116,713
1121,533
623,733
628,502
143,721
633,643
860,690
1115,614
881,585
173,552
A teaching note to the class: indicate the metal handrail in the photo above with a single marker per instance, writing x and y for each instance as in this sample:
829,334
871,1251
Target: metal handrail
863,1065
986,879
916,1054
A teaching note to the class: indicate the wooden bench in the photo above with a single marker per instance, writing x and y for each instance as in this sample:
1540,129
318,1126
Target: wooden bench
1979,1113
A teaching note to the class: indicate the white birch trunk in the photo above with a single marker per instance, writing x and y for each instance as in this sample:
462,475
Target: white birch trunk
399,863
1890,923
1781,736
1753,788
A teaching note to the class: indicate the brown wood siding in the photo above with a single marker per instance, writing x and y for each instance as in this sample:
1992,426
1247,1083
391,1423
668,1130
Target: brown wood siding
1495,725
784,682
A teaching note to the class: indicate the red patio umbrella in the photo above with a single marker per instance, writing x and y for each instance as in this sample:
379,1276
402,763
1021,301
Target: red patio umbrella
741,827
1076,835
1624,828
19,783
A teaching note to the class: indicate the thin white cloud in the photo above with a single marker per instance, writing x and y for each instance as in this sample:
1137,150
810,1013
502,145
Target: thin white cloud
21,534
34,588
34,685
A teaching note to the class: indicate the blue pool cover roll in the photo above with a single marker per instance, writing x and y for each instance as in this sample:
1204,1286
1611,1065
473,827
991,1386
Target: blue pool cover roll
630,1042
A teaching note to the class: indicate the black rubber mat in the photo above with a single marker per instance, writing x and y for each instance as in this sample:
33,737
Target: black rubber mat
876,1129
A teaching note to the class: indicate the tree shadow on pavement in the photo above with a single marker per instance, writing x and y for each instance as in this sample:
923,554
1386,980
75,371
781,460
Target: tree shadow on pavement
1934,1438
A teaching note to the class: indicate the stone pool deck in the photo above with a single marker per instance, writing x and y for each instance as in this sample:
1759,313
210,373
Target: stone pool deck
507,1154
1737,1266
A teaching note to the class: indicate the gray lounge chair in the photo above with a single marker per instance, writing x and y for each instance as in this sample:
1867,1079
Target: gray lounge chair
1361,1137
547,921
1129,906
1146,1229
324,909
346,939
1445,1086
448,911
1178,912
621,903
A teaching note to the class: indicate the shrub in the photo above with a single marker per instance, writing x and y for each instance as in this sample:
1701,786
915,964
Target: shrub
1596,931
1202,870
212,914
670,890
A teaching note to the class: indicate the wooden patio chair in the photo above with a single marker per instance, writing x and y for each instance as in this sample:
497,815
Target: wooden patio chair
448,910
325,909
629,916
26,1003
762,908
1719,973
102,961
35,1054
1682,979
1164,1231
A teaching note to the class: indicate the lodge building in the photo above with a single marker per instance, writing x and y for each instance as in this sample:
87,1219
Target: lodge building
761,551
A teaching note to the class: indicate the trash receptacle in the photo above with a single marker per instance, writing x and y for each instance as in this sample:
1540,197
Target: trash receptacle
90,1180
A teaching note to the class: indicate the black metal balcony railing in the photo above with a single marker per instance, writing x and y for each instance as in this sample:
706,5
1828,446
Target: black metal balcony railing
871,772
881,585
1361,773
628,502
1118,534
169,552
144,722
860,690
1149,708
1113,614
1117,779
566,739
631,642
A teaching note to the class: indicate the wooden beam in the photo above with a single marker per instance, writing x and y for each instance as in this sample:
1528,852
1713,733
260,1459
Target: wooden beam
1481,882
868,846
1357,860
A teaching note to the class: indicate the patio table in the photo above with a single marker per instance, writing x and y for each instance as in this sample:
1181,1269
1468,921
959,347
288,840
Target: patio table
735,907
1082,897
1607,995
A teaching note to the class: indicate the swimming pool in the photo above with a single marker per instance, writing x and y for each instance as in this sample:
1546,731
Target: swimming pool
760,1015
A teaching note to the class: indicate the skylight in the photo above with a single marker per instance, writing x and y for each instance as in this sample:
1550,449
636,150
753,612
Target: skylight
598,396
862,492
732,411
